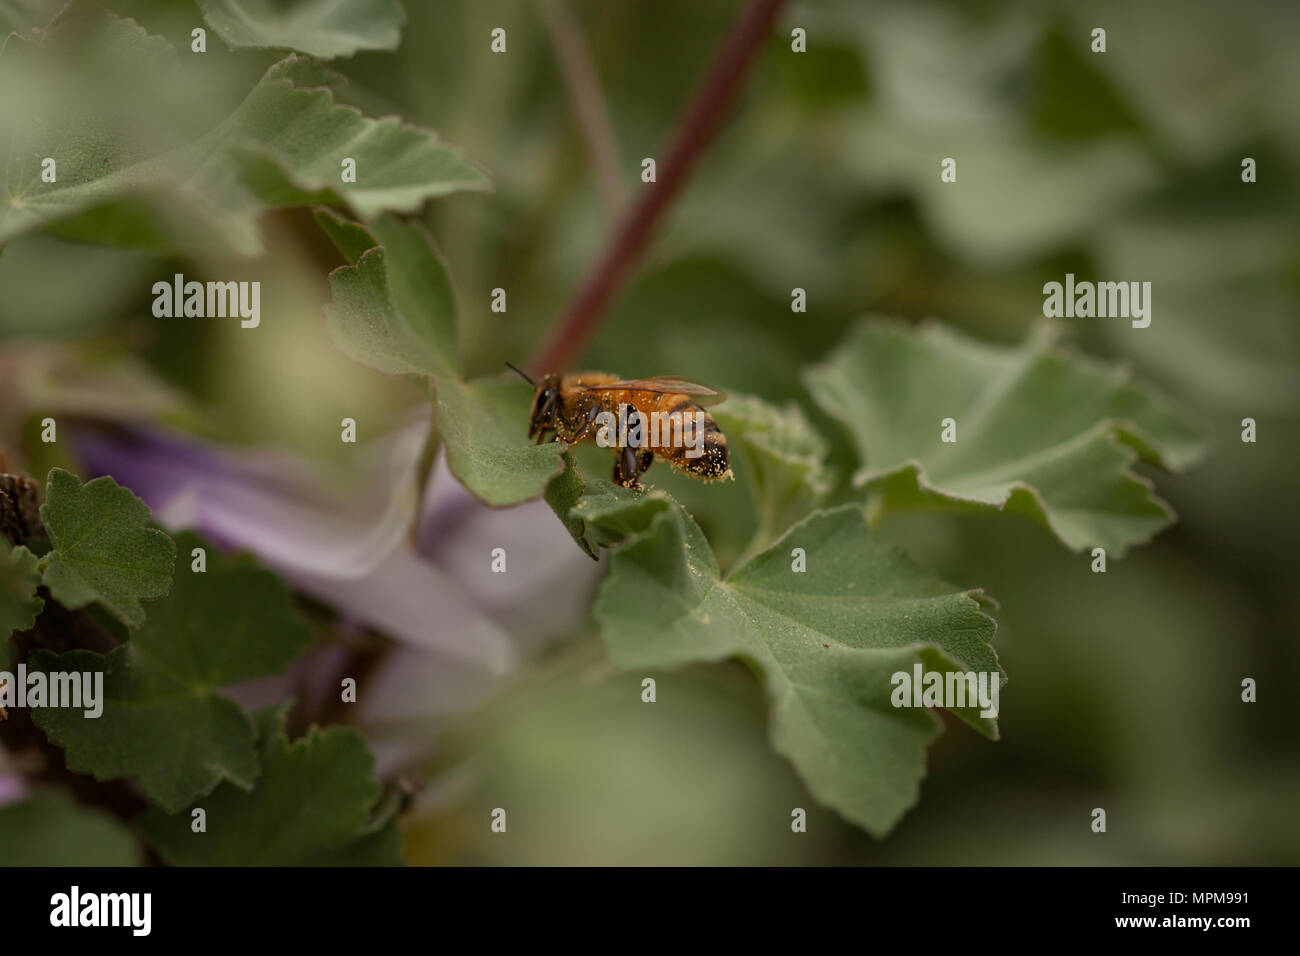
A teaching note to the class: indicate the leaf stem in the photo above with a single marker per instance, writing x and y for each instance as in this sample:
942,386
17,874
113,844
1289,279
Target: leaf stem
694,131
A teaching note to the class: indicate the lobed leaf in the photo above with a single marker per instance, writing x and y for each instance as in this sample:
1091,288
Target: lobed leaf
289,138
784,460
163,721
19,602
392,308
127,175
102,549
1039,432
825,642
312,806
485,426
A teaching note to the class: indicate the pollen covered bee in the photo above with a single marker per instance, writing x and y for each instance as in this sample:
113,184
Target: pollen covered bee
638,419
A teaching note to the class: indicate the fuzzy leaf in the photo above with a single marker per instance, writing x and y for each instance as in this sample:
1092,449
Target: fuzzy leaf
324,28
784,460
562,493
352,239
311,807
104,145
102,547
19,603
163,721
825,642
289,138
1039,432
485,426
130,172
393,308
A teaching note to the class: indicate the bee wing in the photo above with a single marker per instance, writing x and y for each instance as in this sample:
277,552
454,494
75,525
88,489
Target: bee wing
666,384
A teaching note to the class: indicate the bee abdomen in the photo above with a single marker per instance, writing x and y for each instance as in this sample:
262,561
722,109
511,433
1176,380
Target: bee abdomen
714,461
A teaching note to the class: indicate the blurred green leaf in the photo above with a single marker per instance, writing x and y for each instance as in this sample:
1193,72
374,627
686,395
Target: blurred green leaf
103,550
21,16
824,644
1038,432
289,138
324,28
589,757
67,291
49,829
19,603
162,720
121,178
102,149
1074,99
311,807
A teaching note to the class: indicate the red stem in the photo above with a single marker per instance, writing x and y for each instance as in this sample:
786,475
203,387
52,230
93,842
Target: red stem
697,127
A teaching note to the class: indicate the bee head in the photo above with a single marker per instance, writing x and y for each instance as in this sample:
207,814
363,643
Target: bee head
546,405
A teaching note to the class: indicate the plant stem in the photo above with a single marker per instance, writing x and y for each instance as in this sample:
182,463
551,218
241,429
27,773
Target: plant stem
694,131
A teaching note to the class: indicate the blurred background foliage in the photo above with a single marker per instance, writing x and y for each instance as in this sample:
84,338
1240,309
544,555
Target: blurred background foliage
1124,688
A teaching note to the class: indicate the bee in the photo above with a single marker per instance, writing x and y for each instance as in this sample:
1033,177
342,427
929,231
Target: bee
638,419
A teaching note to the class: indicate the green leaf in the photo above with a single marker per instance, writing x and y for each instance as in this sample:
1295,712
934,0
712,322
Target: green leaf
102,547
311,807
350,238
825,642
19,603
135,170
55,106
784,460
289,138
49,829
393,309
563,493
1039,432
485,426
324,28
163,721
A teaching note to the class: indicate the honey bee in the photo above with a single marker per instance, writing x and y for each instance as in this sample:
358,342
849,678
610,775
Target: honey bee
638,419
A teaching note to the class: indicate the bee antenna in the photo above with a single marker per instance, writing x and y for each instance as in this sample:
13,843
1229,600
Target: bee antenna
521,375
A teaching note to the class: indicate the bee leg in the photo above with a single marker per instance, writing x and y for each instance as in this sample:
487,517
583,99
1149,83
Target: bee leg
625,468
592,414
